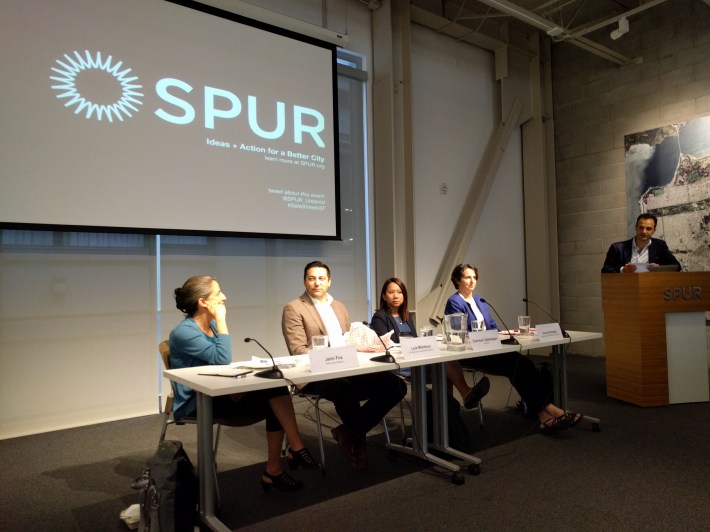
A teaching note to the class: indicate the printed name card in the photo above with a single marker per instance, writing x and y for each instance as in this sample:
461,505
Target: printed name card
420,347
549,331
332,358
482,340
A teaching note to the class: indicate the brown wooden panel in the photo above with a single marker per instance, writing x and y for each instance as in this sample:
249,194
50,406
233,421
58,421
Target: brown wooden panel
635,307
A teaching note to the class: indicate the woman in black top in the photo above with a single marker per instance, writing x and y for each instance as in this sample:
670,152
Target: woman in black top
393,314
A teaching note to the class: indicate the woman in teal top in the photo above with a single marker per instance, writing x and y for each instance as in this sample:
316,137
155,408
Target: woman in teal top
202,338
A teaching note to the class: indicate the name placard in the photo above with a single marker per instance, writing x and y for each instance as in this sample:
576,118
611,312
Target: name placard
424,346
549,331
332,358
481,340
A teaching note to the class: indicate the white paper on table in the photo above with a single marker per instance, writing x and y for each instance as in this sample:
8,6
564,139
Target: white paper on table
549,331
332,358
418,347
641,267
481,340
264,362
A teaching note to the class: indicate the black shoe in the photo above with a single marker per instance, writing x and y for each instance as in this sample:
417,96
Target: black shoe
345,442
302,458
281,482
478,392
360,452
555,424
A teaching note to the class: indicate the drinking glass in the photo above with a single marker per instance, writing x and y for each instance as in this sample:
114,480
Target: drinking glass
524,325
319,342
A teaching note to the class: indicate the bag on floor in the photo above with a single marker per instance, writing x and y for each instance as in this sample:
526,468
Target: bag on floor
169,491
459,435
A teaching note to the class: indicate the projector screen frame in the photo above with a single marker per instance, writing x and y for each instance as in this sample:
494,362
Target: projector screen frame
168,230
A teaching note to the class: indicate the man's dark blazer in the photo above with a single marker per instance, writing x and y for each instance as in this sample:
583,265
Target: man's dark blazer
619,254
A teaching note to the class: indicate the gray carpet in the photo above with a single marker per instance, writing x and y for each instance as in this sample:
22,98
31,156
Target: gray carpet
647,469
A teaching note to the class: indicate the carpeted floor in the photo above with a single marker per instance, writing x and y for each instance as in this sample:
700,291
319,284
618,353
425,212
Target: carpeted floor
647,469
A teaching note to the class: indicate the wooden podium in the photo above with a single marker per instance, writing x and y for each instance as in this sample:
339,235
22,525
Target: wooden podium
654,332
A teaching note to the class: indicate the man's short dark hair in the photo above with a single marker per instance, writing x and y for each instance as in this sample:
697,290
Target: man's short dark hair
315,264
647,216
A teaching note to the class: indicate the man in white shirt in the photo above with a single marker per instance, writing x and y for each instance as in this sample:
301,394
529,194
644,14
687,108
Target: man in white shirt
315,313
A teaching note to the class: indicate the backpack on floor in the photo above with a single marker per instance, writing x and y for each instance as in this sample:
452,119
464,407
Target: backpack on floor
169,491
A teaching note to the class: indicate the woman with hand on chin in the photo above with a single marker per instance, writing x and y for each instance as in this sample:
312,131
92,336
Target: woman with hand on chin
519,369
202,338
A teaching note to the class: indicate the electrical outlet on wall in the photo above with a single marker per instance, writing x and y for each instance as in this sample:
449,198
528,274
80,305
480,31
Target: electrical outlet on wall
443,188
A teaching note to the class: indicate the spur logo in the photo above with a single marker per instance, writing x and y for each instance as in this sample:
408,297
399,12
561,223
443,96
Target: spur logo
71,67
181,103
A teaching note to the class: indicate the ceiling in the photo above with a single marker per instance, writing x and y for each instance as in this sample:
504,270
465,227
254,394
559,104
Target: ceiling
578,22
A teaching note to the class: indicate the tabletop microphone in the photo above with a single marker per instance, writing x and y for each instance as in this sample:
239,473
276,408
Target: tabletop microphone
507,341
387,357
274,372
562,329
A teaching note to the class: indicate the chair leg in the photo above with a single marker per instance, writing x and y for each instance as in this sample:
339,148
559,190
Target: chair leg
216,447
320,434
218,499
404,426
216,441
480,404
166,419
387,432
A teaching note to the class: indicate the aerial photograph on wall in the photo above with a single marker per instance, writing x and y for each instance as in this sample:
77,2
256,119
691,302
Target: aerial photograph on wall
668,175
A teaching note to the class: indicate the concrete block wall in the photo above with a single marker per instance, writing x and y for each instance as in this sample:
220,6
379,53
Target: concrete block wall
596,103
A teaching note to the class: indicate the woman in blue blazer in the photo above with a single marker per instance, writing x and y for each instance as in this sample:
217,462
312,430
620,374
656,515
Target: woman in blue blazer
519,369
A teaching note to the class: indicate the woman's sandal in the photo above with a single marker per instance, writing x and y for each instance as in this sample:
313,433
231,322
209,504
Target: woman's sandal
574,418
281,482
302,458
555,424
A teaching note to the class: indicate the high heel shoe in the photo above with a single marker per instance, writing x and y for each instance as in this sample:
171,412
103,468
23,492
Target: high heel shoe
302,458
281,482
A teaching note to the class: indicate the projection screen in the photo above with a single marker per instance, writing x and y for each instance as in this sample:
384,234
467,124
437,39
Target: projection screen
164,116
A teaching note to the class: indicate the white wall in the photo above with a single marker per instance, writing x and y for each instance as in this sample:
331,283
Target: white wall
454,102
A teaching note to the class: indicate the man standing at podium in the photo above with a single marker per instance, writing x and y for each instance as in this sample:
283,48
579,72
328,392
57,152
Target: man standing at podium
624,256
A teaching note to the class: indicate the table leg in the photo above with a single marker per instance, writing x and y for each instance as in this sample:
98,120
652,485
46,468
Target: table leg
559,354
559,376
420,443
206,464
441,421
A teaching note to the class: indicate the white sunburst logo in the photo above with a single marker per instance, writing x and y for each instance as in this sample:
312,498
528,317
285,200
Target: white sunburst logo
70,68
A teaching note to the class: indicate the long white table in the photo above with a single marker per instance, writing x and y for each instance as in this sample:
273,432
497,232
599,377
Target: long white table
420,445
210,386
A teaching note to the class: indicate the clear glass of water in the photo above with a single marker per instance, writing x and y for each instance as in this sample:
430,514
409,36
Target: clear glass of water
524,324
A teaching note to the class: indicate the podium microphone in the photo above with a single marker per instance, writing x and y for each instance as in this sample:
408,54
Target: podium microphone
507,341
564,333
274,372
387,358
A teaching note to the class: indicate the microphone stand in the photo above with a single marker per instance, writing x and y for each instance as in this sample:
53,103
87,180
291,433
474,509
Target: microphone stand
562,329
387,358
508,341
274,372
